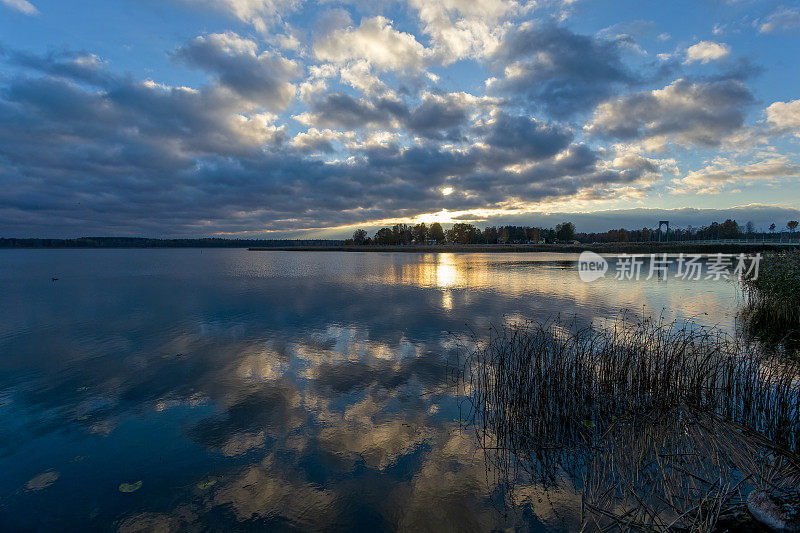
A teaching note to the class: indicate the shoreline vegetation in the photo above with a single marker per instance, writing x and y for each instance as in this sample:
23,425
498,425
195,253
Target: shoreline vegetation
629,247
339,246
771,311
727,236
656,426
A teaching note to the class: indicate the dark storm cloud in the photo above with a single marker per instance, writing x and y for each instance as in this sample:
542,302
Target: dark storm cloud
436,117
515,138
560,71
127,119
119,156
341,110
574,170
80,66
262,77
692,113
440,116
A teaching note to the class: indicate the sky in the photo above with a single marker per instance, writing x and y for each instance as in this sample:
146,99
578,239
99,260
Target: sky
286,118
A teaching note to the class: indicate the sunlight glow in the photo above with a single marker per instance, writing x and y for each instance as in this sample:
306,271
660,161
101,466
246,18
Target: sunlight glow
447,274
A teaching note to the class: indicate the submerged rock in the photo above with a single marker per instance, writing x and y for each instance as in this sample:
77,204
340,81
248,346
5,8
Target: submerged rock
774,512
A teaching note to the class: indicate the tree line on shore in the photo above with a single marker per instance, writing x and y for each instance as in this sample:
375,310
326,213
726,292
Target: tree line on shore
402,234
464,233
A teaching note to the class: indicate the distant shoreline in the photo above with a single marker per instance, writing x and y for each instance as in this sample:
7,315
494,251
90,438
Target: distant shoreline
629,247
146,242
632,248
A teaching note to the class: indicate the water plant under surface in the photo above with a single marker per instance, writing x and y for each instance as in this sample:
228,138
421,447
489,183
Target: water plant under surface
658,426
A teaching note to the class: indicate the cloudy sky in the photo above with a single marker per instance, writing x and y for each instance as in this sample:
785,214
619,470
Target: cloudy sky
285,118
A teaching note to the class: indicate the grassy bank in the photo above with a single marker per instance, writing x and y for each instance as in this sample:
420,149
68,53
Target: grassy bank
630,248
658,427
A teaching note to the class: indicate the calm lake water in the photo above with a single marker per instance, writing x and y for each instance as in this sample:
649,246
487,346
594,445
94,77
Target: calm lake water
282,390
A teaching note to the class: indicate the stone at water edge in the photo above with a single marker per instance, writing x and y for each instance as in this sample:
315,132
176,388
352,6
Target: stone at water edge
773,512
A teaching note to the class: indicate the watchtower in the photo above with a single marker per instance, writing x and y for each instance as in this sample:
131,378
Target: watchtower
666,234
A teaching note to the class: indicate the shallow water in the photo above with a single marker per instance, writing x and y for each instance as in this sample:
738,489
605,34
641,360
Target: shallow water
273,389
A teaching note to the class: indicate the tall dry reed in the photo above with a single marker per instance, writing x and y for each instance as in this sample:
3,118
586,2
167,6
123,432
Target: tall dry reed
661,426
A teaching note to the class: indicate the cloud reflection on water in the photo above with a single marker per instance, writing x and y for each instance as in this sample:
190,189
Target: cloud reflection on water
316,396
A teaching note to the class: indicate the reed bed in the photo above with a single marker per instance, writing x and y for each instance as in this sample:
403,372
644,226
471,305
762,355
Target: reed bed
772,299
660,426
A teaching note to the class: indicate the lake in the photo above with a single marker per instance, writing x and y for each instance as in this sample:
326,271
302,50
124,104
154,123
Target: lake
228,389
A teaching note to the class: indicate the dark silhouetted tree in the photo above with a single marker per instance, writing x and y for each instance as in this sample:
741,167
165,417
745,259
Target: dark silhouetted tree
360,236
532,234
565,231
402,234
420,233
729,229
385,236
462,233
436,232
503,236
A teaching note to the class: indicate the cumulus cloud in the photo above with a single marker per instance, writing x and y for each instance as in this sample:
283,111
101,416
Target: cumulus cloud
706,51
632,161
561,71
462,29
360,76
784,19
262,14
701,113
785,116
23,6
723,171
375,41
318,141
236,62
